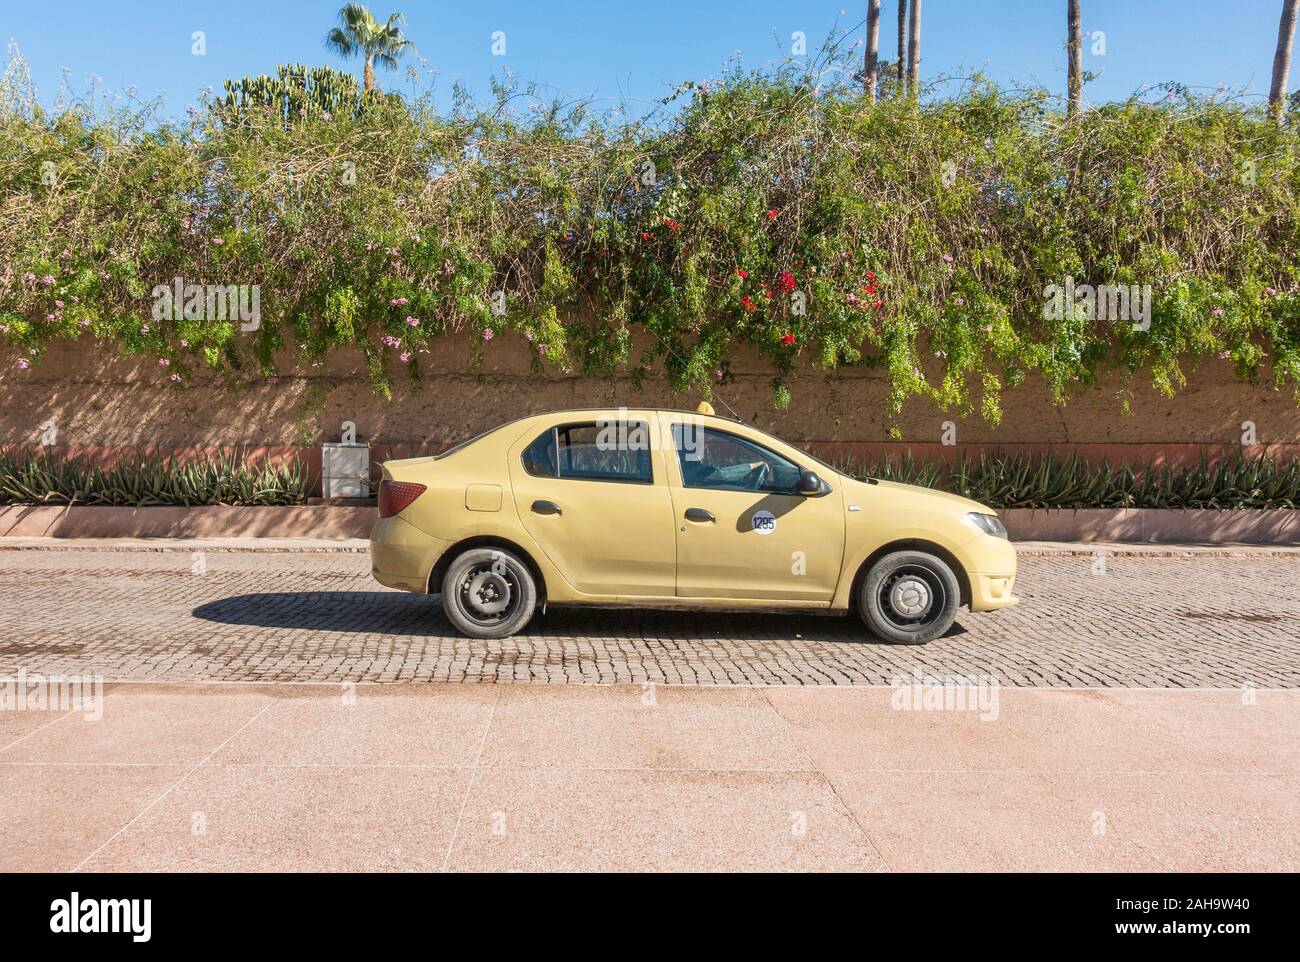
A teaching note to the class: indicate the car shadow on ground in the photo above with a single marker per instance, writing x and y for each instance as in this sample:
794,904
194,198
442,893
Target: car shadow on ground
400,613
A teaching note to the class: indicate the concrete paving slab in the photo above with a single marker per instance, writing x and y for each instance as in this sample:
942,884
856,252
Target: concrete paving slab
53,816
312,819
630,727
657,821
1116,822
1079,731
146,725
437,725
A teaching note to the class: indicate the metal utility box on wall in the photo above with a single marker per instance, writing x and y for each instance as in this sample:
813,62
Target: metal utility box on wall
345,470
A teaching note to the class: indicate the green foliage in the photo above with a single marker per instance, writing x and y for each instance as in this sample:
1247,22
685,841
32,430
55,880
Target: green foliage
1049,482
920,237
227,478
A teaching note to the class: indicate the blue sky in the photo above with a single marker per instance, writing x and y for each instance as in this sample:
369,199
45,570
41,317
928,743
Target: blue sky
637,48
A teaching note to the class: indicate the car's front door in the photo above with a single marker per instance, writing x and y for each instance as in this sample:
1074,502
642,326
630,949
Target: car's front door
743,529
594,496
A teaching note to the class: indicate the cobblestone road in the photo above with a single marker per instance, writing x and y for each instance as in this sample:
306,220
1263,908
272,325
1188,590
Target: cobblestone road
1211,621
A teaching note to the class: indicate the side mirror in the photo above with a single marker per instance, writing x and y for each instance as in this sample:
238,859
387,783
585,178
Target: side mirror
809,484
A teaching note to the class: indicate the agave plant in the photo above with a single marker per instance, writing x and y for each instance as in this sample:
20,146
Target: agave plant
1046,481
144,480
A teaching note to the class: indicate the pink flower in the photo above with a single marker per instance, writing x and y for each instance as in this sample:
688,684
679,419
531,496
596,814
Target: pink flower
488,334
398,302
1225,354
541,349
412,322
174,376
959,301
947,258
184,343
391,341
29,277
1217,312
217,242
47,280
22,364
405,356
144,328
163,361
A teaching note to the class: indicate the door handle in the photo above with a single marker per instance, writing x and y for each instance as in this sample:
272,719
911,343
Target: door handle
699,514
546,507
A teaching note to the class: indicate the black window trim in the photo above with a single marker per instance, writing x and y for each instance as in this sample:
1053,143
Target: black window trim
739,437
555,430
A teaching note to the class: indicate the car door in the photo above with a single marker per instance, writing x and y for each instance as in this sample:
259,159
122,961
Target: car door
743,529
594,496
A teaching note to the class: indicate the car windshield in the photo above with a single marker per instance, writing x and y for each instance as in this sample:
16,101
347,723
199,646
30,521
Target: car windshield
802,453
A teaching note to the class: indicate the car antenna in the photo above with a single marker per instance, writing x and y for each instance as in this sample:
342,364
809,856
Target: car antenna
717,397
668,347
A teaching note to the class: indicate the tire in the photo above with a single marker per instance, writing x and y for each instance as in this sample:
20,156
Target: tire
909,598
488,593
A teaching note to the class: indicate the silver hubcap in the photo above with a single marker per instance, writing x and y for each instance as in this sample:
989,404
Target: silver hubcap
910,597
488,593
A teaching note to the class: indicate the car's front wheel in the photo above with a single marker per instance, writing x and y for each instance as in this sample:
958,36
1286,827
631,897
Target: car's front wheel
488,593
909,597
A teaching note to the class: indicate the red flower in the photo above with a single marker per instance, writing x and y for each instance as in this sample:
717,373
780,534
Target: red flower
749,304
787,338
645,235
787,281
672,224
773,214
740,272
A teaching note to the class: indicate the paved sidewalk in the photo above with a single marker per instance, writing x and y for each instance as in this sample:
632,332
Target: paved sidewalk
1109,620
432,777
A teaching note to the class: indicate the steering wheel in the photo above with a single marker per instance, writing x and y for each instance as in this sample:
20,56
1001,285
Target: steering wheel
759,475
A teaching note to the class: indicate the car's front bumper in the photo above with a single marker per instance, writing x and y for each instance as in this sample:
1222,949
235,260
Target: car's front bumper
402,556
991,571
990,592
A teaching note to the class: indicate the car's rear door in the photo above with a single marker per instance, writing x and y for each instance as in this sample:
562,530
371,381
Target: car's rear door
593,494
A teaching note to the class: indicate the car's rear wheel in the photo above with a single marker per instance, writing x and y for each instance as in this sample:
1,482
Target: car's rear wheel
909,597
488,593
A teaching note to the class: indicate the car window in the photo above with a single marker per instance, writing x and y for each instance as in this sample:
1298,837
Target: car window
539,457
716,459
594,451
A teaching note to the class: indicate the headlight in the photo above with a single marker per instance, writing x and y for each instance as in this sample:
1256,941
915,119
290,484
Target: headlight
988,523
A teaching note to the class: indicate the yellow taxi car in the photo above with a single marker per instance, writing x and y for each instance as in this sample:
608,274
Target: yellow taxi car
663,508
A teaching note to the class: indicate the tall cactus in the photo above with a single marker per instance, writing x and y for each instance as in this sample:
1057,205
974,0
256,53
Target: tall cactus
299,92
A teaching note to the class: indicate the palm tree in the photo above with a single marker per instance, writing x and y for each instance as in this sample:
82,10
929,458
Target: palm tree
914,48
359,33
902,42
871,66
1074,46
1282,58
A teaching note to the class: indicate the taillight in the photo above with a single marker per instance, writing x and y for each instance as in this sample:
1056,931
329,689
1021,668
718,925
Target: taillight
394,496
